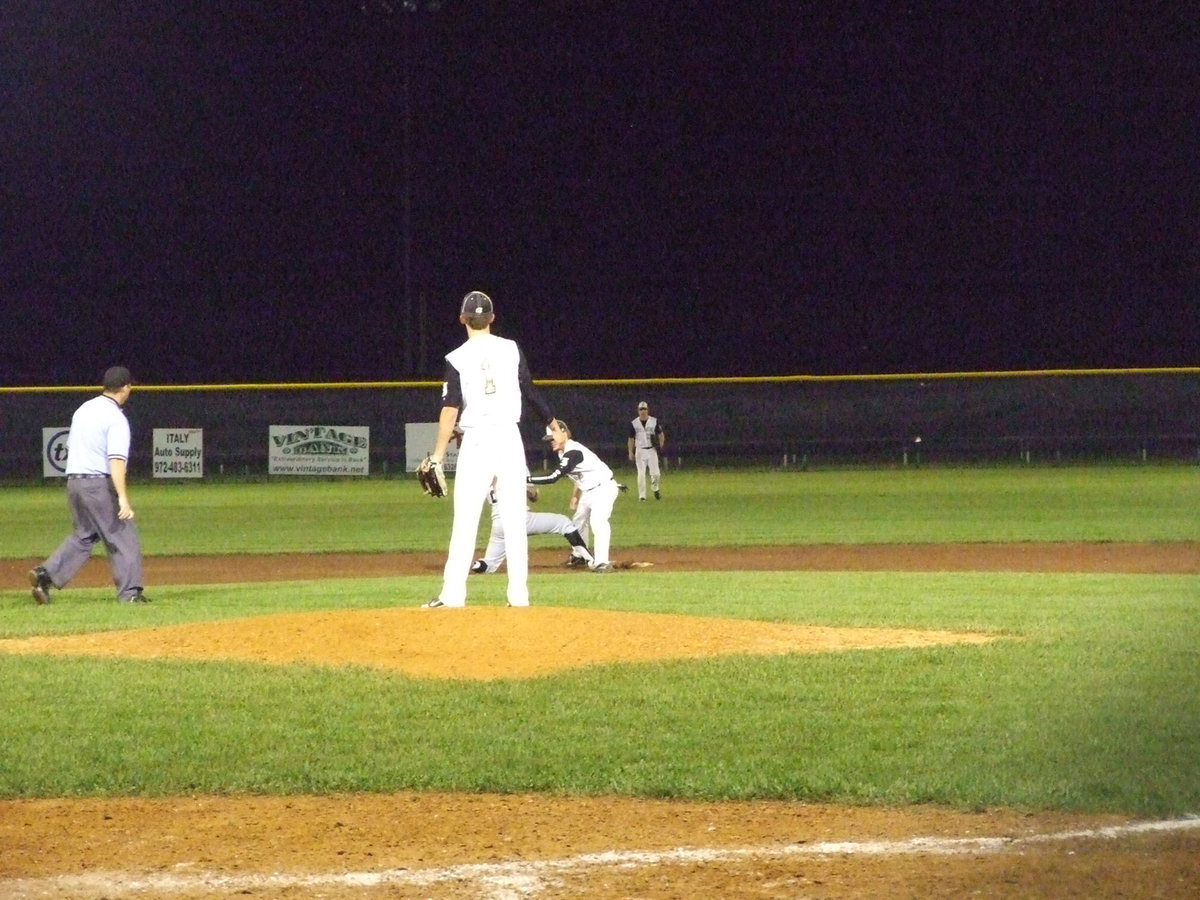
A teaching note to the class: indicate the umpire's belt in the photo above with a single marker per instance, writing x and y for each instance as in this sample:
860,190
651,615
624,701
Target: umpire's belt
70,477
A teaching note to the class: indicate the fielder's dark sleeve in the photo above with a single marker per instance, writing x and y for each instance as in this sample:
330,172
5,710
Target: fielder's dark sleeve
530,393
452,388
566,465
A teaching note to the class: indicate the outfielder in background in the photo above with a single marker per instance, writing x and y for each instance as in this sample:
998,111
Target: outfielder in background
97,461
595,490
485,382
535,523
646,441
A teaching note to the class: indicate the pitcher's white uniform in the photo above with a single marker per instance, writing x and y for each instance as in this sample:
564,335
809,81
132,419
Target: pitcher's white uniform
485,378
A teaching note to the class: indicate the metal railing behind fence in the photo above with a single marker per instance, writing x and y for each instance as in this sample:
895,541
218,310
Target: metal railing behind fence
1020,417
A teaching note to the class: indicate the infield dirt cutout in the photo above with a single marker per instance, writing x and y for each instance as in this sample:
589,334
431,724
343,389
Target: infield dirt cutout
514,847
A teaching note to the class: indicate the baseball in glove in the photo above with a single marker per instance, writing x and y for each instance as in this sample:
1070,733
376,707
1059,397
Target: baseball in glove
432,478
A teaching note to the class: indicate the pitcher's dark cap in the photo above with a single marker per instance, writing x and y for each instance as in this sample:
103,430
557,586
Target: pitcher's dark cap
476,303
116,377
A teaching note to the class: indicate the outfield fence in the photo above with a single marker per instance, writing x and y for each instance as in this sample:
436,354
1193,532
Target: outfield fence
1134,416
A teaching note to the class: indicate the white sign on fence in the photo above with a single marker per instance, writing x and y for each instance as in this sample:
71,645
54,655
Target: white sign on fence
419,438
319,450
178,453
54,452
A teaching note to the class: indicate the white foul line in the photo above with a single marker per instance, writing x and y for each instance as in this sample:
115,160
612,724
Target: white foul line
525,879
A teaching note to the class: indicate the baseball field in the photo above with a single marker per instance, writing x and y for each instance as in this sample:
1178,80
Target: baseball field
916,682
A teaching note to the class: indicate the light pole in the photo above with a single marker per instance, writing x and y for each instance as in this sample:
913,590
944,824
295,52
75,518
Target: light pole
411,8
408,10
406,174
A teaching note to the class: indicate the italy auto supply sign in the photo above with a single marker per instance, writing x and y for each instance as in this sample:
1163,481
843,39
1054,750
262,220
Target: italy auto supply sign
318,450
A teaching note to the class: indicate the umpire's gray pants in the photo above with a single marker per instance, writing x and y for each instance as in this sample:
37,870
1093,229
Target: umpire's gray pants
93,503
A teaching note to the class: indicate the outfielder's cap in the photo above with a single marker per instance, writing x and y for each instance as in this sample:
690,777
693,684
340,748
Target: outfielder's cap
643,405
476,303
116,377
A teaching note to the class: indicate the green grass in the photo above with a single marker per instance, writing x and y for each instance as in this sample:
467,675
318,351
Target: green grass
1090,700
701,508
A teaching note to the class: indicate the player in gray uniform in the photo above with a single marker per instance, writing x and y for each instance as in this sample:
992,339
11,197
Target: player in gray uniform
595,490
646,441
97,462
535,523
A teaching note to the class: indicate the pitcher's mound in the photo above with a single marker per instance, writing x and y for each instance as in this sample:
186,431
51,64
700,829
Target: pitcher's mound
478,642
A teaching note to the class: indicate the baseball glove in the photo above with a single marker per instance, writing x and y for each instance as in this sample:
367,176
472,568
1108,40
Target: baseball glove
432,478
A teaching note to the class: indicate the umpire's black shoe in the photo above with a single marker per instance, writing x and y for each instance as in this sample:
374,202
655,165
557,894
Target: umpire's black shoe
139,597
41,584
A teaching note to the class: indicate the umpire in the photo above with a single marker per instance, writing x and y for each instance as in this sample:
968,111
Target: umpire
97,462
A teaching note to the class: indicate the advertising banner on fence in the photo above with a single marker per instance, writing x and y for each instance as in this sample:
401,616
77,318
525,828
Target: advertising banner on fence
419,438
178,453
54,452
319,450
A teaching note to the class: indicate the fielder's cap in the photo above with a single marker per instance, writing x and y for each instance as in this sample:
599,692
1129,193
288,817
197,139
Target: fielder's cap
643,405
476,303
562,426
116,377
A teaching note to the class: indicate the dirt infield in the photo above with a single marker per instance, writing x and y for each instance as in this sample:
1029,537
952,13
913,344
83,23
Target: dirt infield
1174,558
517,847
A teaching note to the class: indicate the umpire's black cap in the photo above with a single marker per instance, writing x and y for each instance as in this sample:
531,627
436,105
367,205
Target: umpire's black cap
116,377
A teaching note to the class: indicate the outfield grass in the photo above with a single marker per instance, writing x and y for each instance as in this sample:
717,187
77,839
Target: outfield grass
700,509
1090,702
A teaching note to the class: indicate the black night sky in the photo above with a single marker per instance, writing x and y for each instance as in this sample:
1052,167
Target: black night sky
272,191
